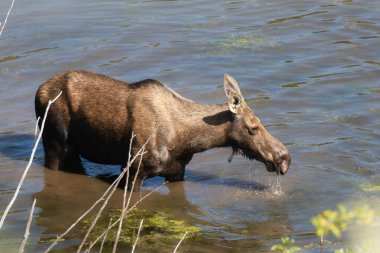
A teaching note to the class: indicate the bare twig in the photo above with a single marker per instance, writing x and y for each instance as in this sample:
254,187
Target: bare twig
27,229
137,237
128,210
111,187
55,242
121,215
130,147
6,18
179,243
36,130
102,208
126,203
29,163
87,251
96,218
133,183
104,238
104,197
141,152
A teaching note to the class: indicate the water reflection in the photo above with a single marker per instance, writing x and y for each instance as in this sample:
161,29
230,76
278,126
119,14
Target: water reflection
66,196
17,146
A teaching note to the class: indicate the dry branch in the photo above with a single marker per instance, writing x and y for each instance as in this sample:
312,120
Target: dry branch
36,129
126,212
179,243
98,214
139,153
55,242
27,229
137,237
104,238
29,163
105,198
111,189
122,213
6,18
126,203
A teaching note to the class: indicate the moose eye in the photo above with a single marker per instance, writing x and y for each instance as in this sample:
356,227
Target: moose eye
253,130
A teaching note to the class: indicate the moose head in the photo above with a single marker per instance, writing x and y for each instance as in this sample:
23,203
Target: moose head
249,137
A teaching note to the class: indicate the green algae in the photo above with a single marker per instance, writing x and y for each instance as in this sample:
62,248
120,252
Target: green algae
158,231
293,85
111,62
10,58
240,42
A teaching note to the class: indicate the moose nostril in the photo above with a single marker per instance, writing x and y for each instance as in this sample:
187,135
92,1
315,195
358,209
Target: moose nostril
283,163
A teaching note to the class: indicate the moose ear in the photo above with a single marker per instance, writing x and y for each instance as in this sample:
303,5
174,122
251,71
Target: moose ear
231,88
235,102
231,85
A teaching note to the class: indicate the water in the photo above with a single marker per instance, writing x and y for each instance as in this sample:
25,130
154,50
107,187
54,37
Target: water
310,70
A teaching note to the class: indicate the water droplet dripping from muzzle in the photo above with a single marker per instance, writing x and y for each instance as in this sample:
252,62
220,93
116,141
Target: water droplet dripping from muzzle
276,188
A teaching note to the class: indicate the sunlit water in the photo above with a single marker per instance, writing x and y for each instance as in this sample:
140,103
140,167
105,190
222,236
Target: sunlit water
310,70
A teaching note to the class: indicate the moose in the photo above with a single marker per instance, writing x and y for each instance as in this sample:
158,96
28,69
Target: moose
96,116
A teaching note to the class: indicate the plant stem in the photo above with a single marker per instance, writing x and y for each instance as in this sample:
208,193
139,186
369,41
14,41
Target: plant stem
137,237
27,229
321,244
104,238
183,238
29,163
6,18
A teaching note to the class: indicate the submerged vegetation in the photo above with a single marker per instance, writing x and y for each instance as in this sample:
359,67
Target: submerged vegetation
371,186
157,233
242,42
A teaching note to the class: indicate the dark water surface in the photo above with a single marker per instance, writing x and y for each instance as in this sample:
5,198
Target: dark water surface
310,69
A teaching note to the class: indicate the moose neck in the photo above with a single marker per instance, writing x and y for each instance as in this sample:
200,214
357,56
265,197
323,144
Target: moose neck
205,127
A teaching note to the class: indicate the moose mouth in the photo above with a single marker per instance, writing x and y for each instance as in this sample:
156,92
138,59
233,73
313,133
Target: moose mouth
271,166
280,167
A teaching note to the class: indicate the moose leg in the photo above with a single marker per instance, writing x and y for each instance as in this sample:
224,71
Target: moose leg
70,161
176,172
53,151
59,155
178,176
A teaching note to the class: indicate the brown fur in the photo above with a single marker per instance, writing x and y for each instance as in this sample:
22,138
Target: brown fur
96,114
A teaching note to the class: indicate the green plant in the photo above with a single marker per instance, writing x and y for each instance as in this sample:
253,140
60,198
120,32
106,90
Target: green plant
286,246
337,221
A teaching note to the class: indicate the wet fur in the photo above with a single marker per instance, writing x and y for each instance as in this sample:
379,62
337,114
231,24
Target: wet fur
96,115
